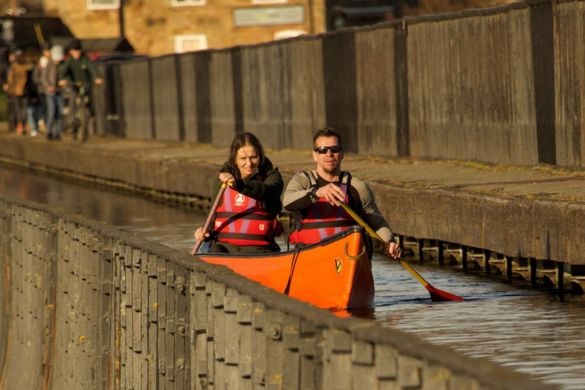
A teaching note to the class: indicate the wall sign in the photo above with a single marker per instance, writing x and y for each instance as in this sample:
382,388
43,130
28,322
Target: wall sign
269,16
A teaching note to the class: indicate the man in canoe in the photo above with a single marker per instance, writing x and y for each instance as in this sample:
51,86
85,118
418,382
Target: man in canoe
314,197
247,204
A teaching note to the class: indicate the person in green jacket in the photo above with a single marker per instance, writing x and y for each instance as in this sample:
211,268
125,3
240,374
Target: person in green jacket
79,74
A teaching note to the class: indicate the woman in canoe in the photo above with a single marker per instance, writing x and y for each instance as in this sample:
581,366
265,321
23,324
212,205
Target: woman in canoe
249,201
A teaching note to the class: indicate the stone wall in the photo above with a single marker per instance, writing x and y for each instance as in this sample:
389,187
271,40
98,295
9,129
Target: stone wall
86,306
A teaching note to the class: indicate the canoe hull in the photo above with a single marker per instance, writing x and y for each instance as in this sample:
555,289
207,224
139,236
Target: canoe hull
334,274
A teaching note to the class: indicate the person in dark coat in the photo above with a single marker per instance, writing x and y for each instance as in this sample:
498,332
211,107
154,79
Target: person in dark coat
46,77
245,220
79,74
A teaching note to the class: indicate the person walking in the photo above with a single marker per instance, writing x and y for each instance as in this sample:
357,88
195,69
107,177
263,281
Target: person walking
46,76
79,74
314,197
245,219
34,105
14,87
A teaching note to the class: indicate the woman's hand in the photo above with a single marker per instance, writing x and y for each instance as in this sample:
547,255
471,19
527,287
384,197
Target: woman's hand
200,234
226,177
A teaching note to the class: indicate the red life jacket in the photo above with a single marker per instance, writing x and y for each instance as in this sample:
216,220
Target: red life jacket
323,220
242,220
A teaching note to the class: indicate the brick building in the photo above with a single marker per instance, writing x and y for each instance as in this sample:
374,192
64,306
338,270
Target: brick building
157,27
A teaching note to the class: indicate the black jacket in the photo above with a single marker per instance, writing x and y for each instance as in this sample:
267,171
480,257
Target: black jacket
265,186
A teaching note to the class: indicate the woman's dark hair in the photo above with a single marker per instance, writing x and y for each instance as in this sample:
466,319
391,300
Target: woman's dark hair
241,140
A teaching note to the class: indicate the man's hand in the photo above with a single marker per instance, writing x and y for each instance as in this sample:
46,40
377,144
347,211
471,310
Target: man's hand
98,81
394,250
332,193
62,83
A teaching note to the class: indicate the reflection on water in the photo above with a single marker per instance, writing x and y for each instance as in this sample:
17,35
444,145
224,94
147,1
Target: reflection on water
526,330
152,220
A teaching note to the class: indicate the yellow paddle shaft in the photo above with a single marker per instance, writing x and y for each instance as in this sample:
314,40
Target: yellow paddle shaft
375,235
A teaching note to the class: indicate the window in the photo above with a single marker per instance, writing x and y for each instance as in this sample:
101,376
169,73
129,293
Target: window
103,4
185,3
190,42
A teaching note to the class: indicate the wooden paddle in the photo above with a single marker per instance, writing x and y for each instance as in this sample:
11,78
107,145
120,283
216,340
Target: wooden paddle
436,294
210,217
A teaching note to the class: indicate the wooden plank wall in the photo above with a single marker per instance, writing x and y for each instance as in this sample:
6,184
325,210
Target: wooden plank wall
499,85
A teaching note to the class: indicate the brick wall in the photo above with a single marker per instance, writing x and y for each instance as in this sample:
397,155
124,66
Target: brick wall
151,26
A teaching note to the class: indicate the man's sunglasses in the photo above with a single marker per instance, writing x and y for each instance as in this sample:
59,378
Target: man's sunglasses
324,149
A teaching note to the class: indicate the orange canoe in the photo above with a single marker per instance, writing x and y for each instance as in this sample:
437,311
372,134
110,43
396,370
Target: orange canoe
334,274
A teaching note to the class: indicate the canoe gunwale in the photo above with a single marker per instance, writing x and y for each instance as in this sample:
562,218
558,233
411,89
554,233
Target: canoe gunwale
325,242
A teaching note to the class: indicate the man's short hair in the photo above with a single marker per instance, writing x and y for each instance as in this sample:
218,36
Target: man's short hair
327,132
74,45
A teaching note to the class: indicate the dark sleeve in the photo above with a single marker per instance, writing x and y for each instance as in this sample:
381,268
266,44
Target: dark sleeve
268,190
93,70
63,70
37,75
296,196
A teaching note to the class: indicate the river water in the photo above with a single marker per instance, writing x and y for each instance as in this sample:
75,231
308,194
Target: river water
529,331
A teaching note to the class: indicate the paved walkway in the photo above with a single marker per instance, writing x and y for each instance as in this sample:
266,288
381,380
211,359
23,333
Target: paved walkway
530,183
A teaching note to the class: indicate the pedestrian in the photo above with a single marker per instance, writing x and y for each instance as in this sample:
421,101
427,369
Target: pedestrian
34,107
4,67
245,219
15,89
314,196
46,76
79,74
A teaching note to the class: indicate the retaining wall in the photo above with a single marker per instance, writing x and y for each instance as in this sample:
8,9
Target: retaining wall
87,306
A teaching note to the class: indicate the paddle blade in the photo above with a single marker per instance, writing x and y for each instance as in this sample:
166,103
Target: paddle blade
436,294
441,296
